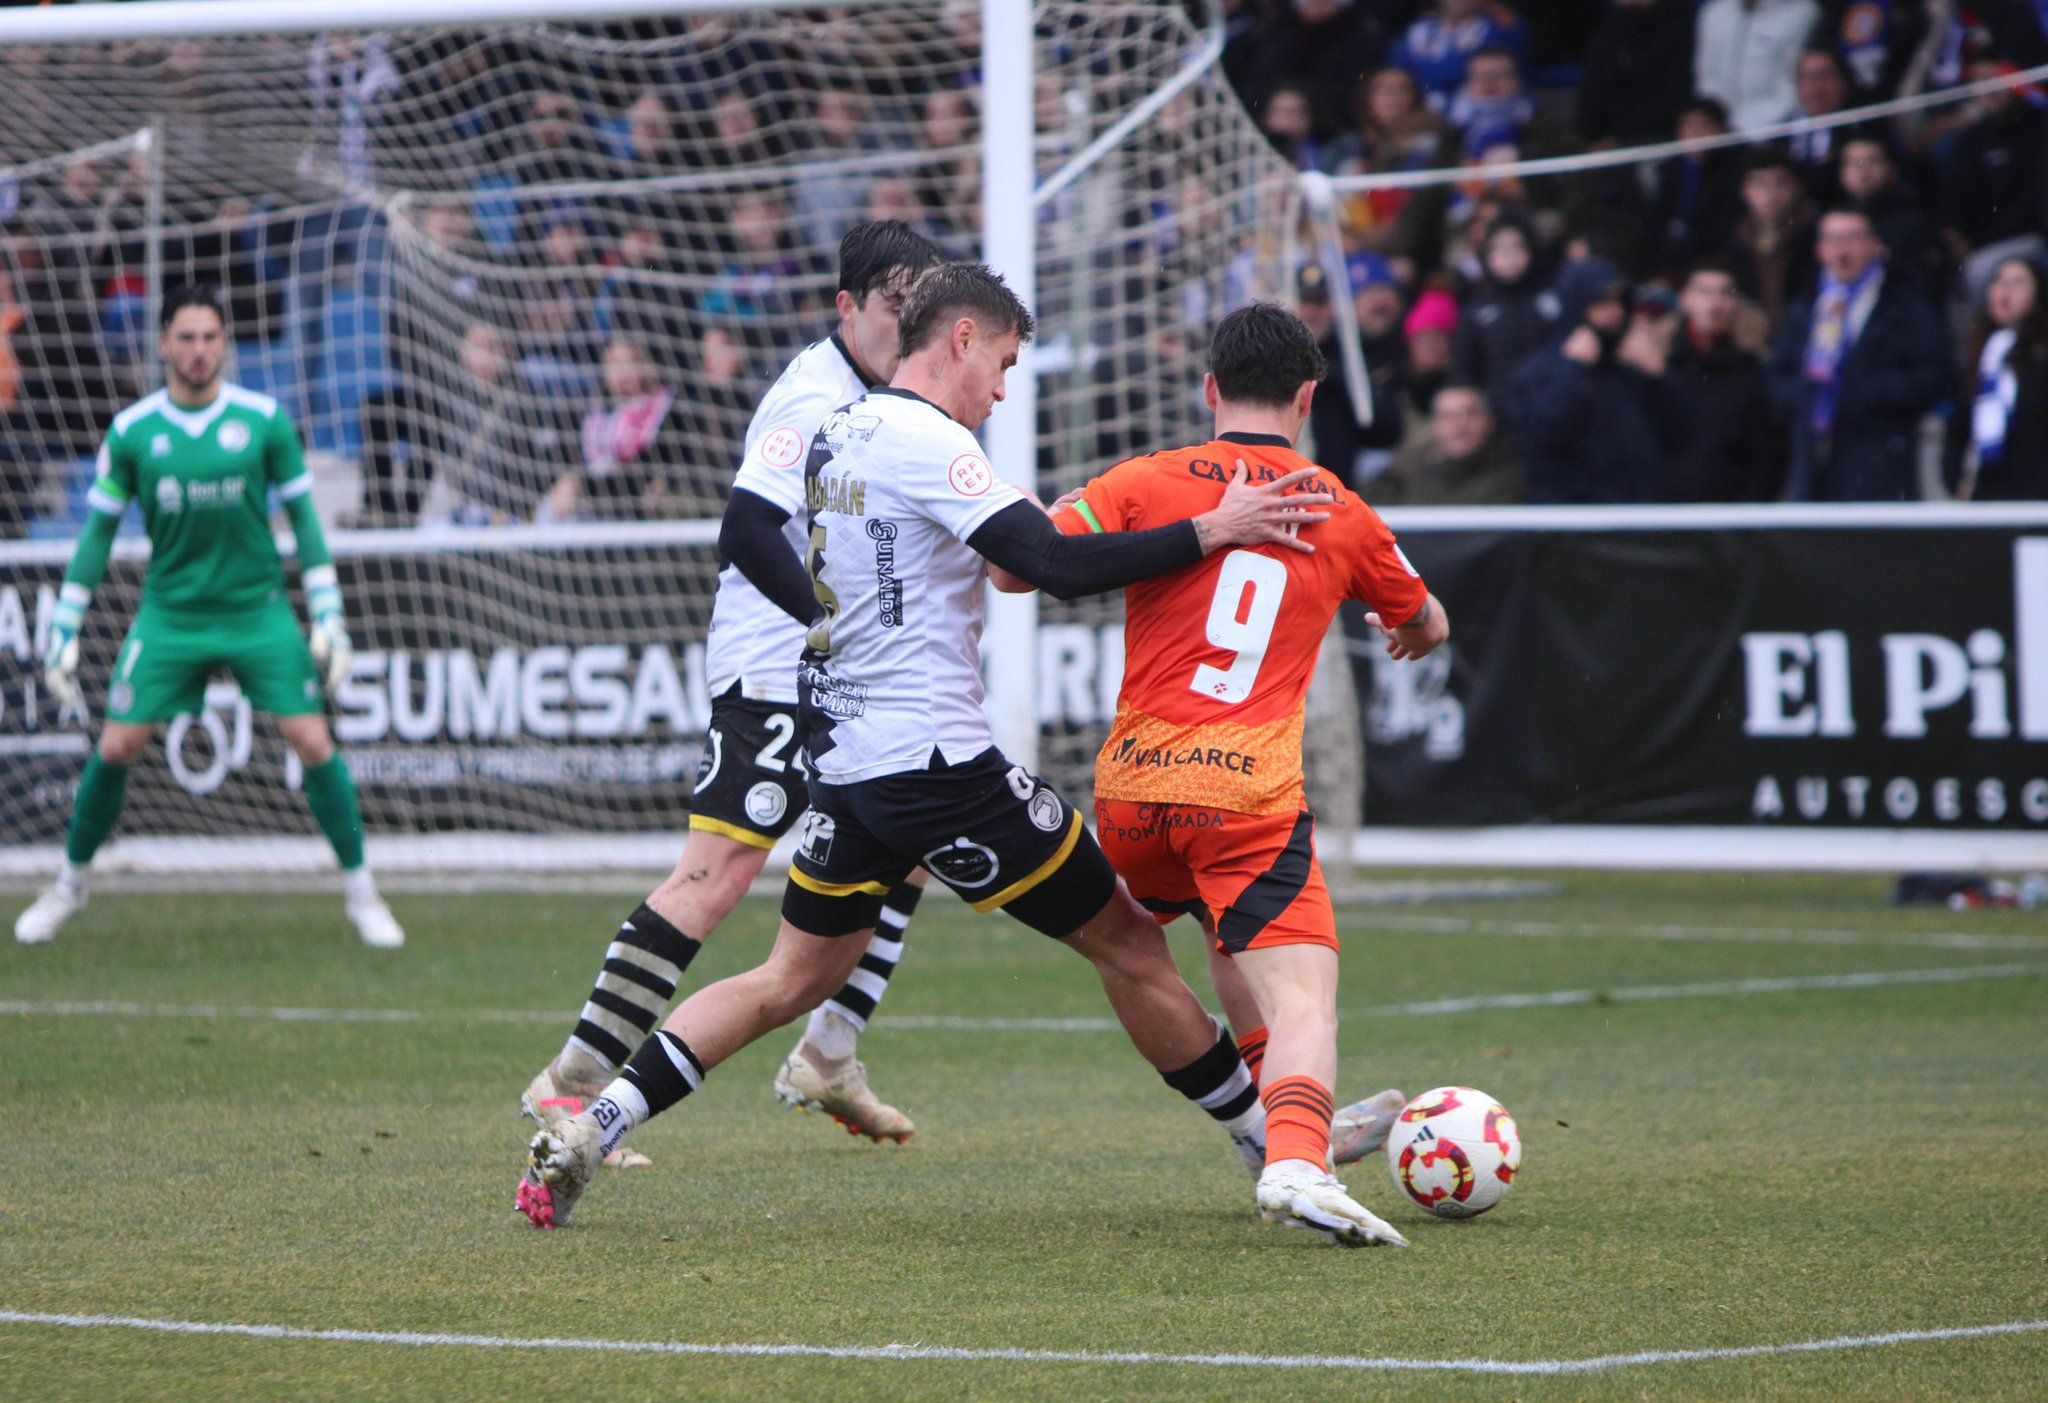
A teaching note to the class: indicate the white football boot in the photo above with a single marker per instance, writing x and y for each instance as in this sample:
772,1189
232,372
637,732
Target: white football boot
558,1093
1297,1194
561,1162
375,924
1362,1127
843,1095
38,925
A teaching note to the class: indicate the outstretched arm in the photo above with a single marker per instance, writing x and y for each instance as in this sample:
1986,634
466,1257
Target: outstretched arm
105,503
1029,551
750,537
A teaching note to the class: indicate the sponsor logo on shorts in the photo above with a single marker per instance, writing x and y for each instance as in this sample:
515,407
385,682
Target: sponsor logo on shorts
970,475
782,447
1046,812
766,802
814,844
120,697
963,863
714,755
233,436
1153,819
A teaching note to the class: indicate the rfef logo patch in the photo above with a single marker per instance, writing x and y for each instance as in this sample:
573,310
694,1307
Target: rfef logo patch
782,447
970,475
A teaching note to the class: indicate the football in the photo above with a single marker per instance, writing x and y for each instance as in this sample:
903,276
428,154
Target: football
1454,1151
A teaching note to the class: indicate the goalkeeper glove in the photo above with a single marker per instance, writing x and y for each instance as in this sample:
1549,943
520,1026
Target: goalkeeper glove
328,637
60,649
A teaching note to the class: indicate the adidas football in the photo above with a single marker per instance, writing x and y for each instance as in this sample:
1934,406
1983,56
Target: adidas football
1454,1151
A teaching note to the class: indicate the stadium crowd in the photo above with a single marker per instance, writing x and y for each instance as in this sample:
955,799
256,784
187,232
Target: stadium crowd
1856,313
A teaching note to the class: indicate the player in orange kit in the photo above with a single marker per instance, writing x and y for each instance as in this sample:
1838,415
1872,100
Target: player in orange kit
1199,799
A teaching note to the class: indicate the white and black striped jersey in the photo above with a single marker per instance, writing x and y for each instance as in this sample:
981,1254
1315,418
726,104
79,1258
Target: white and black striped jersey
895,487
751,641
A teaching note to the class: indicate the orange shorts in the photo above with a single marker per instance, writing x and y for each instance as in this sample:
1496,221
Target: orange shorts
1255,874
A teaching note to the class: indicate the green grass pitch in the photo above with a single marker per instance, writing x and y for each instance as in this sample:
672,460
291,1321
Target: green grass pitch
1767,1159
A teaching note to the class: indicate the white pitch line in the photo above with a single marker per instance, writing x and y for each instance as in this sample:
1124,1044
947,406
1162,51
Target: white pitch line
1552,998
1385,1364
1748,935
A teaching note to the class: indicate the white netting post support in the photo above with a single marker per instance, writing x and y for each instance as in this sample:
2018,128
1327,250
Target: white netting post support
1009,239
152,139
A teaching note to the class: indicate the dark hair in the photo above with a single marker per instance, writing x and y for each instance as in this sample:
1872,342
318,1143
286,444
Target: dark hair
1712,263
1495,51
1769,158
1705,106
873,252
2030,340
179,298
954,290
1261,354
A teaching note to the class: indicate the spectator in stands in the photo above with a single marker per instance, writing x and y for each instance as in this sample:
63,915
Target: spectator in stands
558,324
639,296
1490,107
1823,87
1353,451
1289,122
1744,54
1394,130
1632,92
1877,42
1595,424
1436,47
1511,313
828,202
490,446
651,146
632,450
1854,369
1464,461
1772,248
1995,194
2007,452
1698,198
760,266
1429,327
1732,449
1869,180
1323,44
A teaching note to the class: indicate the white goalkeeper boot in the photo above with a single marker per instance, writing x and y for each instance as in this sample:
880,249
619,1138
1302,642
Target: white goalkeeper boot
842,1094
561,1162
1297,1194
39,924
375,924
1363,1126
560,1091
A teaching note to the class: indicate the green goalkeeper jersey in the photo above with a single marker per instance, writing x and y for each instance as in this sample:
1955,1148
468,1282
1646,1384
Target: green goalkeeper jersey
203,477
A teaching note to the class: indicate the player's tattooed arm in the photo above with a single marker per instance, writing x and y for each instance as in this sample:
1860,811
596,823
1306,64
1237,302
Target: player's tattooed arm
1421,635
1269,514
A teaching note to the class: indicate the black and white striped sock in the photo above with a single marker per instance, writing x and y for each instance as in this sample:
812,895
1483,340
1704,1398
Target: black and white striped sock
660,1074
641,971
1220,1084
840,1019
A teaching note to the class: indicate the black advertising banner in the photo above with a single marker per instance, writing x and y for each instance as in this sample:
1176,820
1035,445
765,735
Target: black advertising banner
1878,676
496,686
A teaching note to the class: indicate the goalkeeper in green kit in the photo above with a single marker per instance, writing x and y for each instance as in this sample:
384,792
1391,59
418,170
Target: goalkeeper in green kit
202,456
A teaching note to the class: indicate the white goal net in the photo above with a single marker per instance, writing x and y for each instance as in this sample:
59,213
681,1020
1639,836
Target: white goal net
520,288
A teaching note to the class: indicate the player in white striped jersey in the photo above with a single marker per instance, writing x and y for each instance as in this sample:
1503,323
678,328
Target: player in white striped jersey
750,788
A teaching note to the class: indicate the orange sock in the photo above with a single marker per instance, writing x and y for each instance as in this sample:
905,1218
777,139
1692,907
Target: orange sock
1298,1113
1252,1047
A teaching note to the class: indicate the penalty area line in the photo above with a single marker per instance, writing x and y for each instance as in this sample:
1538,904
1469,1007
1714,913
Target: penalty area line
1362,1363
1423,1008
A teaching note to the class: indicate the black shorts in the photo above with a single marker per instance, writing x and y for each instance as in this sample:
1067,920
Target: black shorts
990,830
750,784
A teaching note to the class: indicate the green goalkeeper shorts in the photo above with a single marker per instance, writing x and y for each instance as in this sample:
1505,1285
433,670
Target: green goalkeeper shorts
169,655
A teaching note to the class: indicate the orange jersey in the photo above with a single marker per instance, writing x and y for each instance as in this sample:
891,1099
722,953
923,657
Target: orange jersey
1218,656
